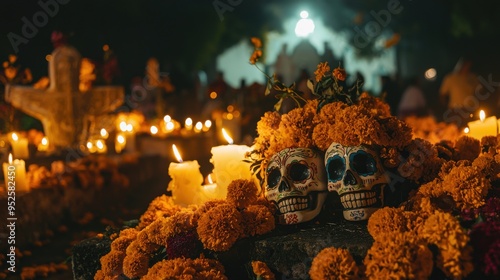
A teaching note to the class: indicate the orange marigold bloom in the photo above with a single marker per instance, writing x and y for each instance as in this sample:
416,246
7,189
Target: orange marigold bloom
386,220
241,193
161,207
467,185
334,263
399,256
262,271
10,72
444,231
321,70
257,220
257,43
468,148
182,268
220,227
339,74
254,58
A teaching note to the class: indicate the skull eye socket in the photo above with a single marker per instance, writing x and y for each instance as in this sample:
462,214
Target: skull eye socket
298,171
363,163
335,168
273,177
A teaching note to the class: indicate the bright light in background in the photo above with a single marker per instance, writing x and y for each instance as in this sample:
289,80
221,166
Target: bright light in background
430,74
305,25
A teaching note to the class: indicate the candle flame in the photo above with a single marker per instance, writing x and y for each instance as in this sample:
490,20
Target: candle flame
227,137
100,144
170,126
120,139
89,145
154,130
167,118
466,130
208,123
10,158
198,126
123,126
14,136
176,153
104,133
209,178
482,115
189,122
45,142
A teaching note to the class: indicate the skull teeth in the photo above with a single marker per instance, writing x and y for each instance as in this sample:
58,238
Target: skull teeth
359,199
293,204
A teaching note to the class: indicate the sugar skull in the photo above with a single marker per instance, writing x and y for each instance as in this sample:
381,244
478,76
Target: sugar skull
296,184
357,175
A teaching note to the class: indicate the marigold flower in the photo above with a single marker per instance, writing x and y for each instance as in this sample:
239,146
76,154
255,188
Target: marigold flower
386,220
12,58
257,43
339,74
399,256
220,227
254,58
161,207
257,220
321,70
444,231
10,72
182,268
261,270
468,148
241,193
333,263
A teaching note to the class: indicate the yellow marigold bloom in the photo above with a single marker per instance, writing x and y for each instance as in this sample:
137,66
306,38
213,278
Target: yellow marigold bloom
241,193
321,70
339,74
262,271
257,43
334,263
444,231
399,256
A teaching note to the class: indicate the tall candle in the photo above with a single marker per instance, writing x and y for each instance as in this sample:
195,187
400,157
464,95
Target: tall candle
186,180
19,146
14,173
483,127
229,164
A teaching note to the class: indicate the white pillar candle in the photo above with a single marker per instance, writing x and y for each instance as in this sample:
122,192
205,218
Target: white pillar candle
229,164
19,146
483,127
186,180
14,173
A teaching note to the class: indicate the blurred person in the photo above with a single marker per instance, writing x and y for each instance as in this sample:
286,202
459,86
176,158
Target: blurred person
413,101
455,91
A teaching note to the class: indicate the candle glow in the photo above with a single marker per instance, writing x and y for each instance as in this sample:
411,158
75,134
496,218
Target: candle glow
176,153
154,130
227,137
104,133
482,115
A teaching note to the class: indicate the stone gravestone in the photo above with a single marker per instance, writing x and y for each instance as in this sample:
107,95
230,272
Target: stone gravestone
63,109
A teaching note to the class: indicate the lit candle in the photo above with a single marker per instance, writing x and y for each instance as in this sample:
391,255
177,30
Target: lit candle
128,132
101,147
14,173
483,127
104,133
120,143
188,124
229,164
153,130
209,189
186,180
207,125
44,145
19,146
198,127
169,126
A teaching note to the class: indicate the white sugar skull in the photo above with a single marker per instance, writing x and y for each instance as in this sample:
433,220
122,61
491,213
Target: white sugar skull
296,184
357,175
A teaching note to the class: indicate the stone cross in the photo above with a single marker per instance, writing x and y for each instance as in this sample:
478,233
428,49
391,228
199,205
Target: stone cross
63,110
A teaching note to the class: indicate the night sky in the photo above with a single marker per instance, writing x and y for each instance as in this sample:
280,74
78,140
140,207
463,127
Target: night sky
186,36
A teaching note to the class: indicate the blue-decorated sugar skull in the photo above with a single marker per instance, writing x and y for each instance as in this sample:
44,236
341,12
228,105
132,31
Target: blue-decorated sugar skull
358,176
